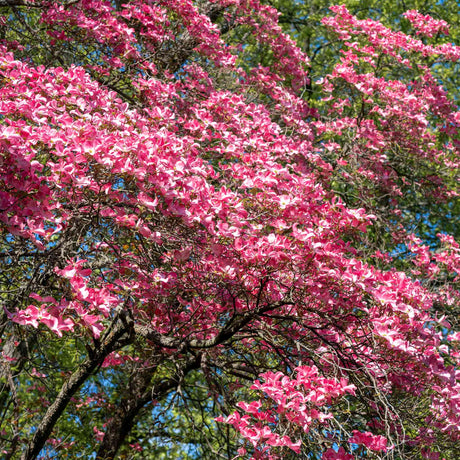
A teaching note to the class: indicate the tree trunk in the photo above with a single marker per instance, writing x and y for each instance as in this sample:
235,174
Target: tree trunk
70,387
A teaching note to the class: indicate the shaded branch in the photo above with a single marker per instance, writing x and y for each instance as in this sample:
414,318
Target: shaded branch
234,325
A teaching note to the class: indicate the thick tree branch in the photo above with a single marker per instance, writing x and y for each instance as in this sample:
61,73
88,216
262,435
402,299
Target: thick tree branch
235,324
69,389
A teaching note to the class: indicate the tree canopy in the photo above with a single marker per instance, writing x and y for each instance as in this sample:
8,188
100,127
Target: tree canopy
229,229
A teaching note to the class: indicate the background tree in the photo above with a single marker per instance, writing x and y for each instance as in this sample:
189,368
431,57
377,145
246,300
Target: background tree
197,217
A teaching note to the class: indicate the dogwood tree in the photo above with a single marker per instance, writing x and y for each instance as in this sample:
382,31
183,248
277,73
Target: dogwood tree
208,254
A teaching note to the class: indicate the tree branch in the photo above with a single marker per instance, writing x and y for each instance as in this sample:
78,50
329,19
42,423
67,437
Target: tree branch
235,324
69,388
141,392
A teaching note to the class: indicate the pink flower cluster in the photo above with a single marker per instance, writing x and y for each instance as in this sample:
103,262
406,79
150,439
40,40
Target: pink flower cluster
298,401
203,205
426,25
